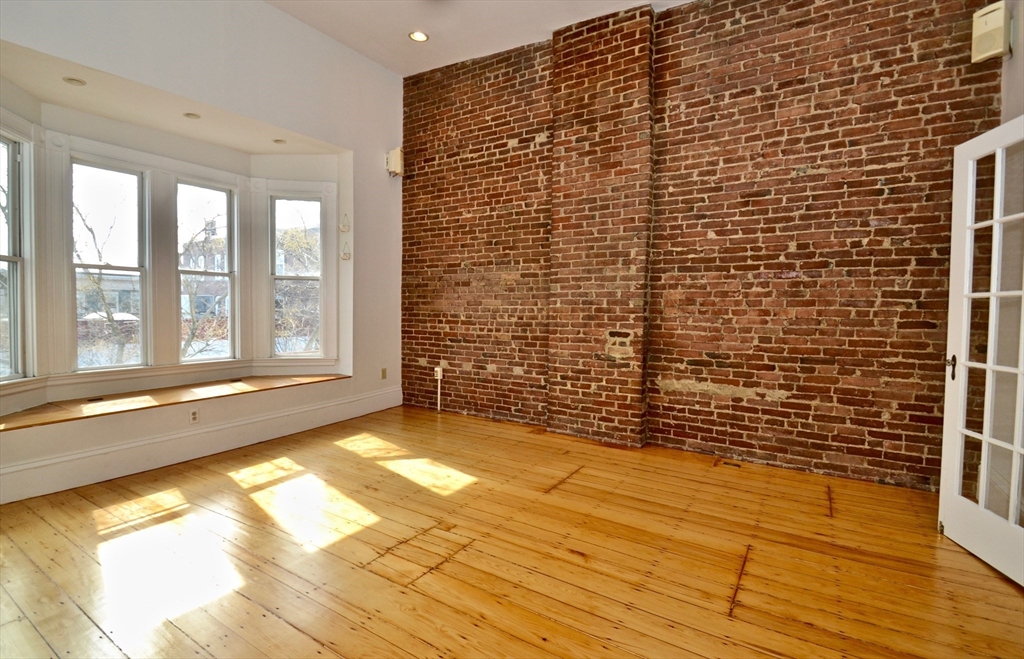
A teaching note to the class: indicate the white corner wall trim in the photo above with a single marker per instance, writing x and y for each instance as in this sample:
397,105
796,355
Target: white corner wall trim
36,477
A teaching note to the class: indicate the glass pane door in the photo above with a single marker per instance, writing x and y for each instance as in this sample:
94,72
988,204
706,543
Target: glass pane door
983,442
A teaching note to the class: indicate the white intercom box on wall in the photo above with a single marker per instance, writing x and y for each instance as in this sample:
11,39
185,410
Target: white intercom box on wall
990,36
395,165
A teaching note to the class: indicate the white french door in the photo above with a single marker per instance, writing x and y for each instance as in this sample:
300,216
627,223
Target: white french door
981,500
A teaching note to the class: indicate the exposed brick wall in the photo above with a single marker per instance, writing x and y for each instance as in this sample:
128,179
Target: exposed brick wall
601,224
800,258
476,233
790,242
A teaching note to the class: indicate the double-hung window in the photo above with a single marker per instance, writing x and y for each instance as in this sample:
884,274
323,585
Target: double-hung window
106,220
11,314
206,272
295,270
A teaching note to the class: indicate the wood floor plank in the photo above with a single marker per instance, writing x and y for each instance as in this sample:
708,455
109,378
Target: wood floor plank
408,533
76,574
67,629
20,639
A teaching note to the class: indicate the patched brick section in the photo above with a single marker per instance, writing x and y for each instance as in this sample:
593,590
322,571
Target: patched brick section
476,229
601,216
801,246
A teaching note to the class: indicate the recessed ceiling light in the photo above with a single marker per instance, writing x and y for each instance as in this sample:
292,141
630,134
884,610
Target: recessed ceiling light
418,36
280,141
191,115
74,82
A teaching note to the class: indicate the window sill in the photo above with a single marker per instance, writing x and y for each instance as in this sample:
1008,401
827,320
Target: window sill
84,408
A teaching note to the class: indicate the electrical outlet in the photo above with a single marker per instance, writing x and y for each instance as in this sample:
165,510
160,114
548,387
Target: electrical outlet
383,374
193,416
438,373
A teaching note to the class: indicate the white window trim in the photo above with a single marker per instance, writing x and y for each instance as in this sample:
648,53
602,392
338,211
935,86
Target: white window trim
143,267
263,191
50,358
231,272
16,261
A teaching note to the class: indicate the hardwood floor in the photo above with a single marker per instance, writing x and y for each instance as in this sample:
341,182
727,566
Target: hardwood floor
411,534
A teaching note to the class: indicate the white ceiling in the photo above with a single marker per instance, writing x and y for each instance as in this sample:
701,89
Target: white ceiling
378,29
124,100
458,29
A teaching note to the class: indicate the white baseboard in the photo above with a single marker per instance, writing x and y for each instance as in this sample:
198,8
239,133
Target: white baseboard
32,478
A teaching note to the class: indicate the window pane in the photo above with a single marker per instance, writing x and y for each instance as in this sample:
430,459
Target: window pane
5,199
8,320
105,216
296,316
1011,261
974,414
970,468
1013,199
296,237
202,229
981,263
1004,406
109,307
1008,331
984,188
205,317
1000,468
977,344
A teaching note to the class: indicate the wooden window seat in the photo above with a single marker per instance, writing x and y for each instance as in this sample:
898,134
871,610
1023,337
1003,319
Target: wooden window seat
83,408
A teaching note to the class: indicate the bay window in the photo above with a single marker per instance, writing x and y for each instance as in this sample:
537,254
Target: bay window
133,270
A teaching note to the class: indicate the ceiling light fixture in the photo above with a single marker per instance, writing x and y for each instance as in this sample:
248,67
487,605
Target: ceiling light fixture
418,36
191,115
280,141
74,82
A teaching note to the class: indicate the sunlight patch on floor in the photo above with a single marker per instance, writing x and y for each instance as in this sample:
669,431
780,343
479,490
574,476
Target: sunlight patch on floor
138,511
161,572
436,477
265,472
366,445
313,512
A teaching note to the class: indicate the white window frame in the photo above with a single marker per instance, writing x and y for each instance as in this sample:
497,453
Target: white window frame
264,191
230,272
145,310
276,277
16,261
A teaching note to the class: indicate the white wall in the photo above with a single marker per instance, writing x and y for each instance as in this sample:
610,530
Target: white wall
253,60
1013,66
